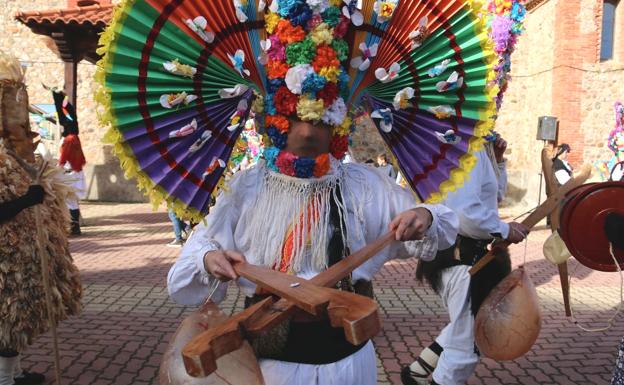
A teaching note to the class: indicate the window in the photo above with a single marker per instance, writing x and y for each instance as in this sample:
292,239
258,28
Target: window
608,29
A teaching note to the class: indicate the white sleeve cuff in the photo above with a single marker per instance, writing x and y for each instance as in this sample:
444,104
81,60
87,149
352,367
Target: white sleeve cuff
504,230
199,258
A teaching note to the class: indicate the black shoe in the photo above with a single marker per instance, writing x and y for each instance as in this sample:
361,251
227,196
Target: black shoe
75,229
29,378
409,378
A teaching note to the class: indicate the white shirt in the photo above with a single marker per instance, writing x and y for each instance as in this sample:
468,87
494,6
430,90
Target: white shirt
476,202
225,227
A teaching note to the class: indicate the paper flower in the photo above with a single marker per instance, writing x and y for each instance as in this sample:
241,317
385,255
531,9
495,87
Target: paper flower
449,137
235,119
310,109
237,61
452,83
185,130
384,10
172,100
214,165
318,5
363,62
240,13
439,69
177,68
441,112
199,25
238,90
351,12
199,143
420,34
336,113
385,114
295,77
401,99
265,46
387,76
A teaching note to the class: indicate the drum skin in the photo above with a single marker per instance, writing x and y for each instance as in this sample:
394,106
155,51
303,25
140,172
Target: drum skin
583,220
509,320
237,368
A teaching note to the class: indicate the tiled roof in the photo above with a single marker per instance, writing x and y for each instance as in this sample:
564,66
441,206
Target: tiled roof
92,14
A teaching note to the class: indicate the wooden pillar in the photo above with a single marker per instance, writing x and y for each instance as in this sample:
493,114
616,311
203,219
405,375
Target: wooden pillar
71,81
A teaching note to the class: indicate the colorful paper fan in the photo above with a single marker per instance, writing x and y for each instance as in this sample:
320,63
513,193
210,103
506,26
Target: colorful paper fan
179,79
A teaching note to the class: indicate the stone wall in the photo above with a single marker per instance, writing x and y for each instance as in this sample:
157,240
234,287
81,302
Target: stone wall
105,179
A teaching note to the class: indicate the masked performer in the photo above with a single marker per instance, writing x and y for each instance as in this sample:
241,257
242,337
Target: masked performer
71,157
452,357
300,209
23,313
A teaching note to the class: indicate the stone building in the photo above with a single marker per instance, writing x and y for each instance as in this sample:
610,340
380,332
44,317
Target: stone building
569,64
105,179
562,67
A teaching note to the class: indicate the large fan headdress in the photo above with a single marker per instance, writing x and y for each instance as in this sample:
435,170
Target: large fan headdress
179,78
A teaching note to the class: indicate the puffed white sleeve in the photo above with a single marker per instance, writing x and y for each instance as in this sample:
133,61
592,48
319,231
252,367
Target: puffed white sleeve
188,282
441,234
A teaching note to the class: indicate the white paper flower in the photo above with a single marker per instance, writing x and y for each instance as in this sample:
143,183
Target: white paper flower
384,10
317,5
215,163
172,100
262,5
387,76
401,99
238,90
420,34
237,117
452,83
385,114
199,25
449,137
177,68
199,143
295,77
363,62
185,130
237,62
265,46
351,12
439,69
336,113
240,13
441,112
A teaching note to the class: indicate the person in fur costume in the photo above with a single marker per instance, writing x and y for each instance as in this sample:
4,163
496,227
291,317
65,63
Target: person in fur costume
23,313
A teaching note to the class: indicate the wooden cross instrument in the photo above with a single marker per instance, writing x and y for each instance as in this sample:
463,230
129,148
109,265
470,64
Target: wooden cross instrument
358,315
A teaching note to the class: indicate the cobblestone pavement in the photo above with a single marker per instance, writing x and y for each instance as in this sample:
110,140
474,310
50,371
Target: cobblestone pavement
128,318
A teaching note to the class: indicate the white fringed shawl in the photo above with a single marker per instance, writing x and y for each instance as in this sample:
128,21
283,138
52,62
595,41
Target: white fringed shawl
282,203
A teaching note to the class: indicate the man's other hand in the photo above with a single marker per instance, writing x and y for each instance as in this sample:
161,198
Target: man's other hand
219,264
412,224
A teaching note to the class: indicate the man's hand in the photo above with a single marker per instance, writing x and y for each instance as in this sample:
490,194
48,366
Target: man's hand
517,232
500,145
219,264
412,224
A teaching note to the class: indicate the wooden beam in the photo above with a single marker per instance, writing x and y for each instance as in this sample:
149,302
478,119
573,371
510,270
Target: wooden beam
71,81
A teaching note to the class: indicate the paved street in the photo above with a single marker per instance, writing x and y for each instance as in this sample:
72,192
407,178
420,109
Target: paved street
128,318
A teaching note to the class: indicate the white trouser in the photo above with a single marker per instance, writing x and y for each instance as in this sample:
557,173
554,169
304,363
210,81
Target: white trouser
458,360
359,368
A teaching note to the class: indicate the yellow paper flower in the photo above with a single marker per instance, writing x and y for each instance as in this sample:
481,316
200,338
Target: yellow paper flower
270,20
331,73
335,3
310,109
344,128
322,34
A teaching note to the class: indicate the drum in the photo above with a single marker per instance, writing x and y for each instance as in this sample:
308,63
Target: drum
583,224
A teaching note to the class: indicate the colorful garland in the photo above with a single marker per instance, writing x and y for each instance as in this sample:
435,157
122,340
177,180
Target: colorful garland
305,79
